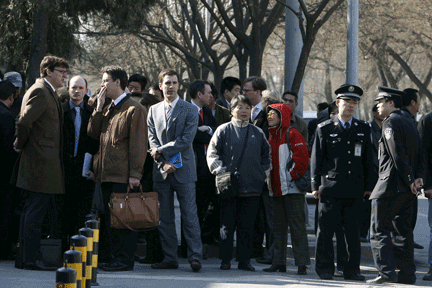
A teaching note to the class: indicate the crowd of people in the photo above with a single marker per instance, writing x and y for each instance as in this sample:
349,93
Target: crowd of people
243,151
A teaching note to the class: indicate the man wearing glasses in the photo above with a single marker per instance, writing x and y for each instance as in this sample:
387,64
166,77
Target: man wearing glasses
40,168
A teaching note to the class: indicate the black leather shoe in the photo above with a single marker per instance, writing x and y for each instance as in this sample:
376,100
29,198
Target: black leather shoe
417,246
165,265
245,266
380,279
117,266
195,265
356,277
39,265
225,265
264,261
275,268
428,276
338,273
302,270
326,276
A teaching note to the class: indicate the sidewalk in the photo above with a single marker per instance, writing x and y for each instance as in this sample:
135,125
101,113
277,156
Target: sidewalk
212,277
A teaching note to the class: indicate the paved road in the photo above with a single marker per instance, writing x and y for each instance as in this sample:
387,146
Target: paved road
212,277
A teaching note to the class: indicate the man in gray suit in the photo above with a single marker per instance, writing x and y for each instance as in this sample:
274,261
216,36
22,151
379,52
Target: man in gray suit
172,125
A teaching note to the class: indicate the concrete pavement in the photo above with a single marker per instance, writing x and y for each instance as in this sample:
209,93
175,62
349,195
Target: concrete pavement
211,277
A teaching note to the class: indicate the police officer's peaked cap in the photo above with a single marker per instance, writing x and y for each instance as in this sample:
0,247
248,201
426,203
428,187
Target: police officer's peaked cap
388,93
347,91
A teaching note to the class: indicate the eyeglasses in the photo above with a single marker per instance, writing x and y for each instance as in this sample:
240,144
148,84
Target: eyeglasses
61,71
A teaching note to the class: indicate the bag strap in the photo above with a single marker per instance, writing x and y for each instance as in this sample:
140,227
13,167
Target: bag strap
244,146
287,138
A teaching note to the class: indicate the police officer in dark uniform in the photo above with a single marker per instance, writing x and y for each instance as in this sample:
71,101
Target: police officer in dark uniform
401,174
341,167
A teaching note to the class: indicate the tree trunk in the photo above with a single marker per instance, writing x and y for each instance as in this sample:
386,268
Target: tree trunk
327,86
39,43
301,67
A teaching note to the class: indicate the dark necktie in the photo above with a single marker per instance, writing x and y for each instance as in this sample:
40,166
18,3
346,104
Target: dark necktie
347,125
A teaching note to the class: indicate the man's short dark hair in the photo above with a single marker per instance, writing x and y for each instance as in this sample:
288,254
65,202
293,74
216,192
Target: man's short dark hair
155,87
142,80
322,106
197,86
410,95
239,99
6,89
85,80
398,103
228,83
116,72
165,72
50,62
333,107
148,100
258,83
214,90
291,93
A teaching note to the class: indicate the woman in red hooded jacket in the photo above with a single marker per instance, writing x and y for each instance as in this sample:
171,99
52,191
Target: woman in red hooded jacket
288,164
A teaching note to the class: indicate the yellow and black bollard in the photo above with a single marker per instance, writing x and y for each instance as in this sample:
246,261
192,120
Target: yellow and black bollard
66,277
88,233
94,225
74,259
79,242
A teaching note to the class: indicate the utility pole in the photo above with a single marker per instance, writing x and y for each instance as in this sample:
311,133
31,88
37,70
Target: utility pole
293,47
352,43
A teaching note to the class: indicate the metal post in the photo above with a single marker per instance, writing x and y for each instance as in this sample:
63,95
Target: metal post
352,43
293,46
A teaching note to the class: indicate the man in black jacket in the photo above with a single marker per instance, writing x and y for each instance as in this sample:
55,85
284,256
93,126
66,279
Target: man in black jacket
401,174
341,166
76,202
200,92
8,223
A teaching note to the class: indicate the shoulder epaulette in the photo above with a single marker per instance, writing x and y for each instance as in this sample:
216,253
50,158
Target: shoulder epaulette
325,123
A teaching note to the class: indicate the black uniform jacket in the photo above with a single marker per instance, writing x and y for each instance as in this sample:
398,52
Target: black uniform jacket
425,131
342,161
399,156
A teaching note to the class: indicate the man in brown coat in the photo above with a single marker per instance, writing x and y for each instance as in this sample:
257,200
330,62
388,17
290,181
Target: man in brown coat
121,130
39,143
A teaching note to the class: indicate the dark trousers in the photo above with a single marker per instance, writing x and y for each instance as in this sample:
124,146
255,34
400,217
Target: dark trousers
341,247
391,236
205,191
35,209
330,209
365,220
121,244
262,226
9,220
240,211
289,211
74,205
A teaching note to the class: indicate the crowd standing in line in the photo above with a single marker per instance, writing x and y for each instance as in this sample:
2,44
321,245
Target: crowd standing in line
244,133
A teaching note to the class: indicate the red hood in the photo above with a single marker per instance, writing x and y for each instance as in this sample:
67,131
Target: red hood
285,113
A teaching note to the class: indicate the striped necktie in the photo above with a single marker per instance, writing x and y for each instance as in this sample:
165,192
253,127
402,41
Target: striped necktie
77,124
255,112
169,112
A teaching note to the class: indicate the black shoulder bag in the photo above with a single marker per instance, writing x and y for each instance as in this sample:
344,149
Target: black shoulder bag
228,183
